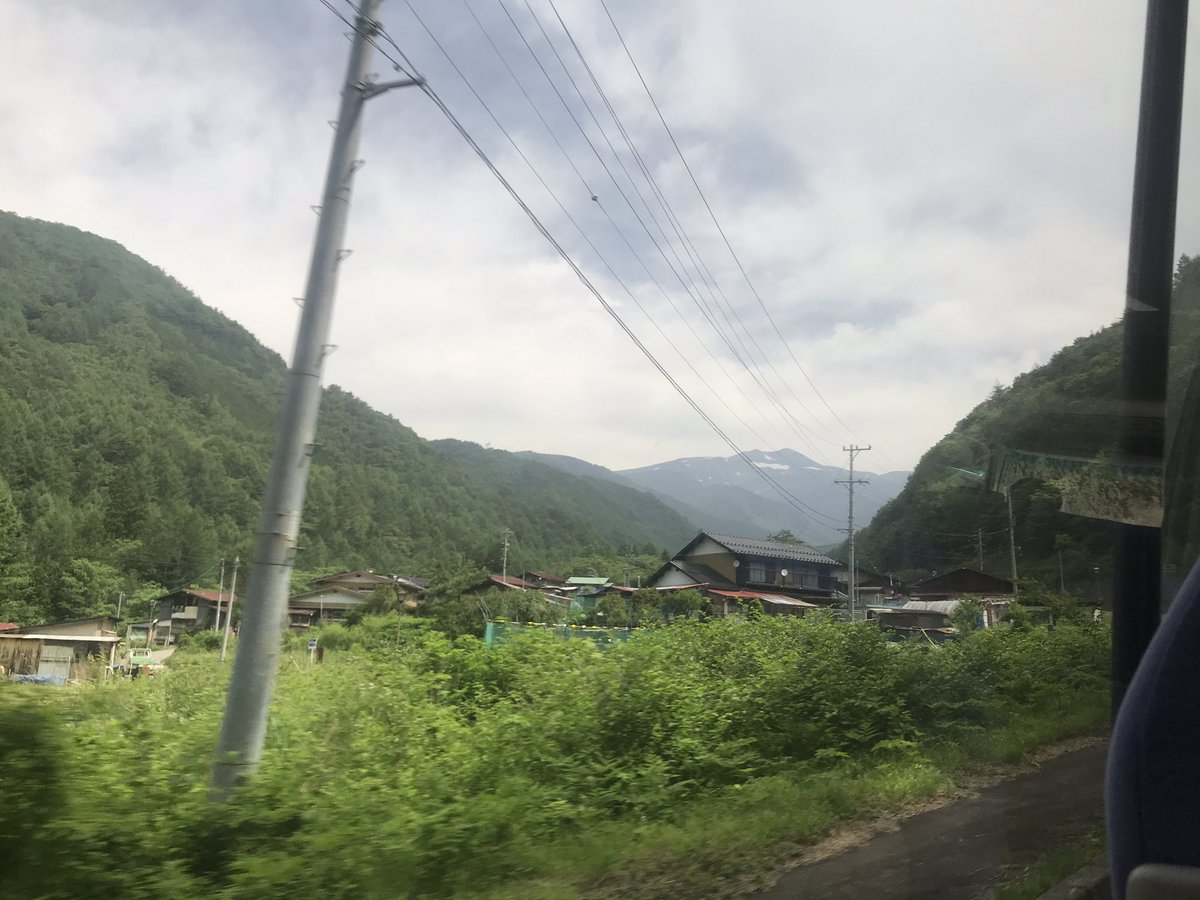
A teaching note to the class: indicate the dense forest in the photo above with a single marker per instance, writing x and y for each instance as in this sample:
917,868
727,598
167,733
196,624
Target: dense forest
135,434
1068,407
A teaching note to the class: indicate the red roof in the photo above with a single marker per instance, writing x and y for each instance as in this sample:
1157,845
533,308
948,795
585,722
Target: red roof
662,590
210,596
9,626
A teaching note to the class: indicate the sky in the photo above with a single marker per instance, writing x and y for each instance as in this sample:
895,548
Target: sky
925,199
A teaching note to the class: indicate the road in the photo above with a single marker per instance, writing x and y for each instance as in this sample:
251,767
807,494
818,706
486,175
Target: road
959,850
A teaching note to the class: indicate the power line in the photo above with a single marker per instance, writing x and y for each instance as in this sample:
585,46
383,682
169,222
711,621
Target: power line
576,225
681,233
716,222
588,188
799,505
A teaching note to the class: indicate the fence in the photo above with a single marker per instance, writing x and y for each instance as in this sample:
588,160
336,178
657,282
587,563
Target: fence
497,632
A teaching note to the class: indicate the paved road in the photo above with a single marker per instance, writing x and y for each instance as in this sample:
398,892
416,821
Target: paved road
959,850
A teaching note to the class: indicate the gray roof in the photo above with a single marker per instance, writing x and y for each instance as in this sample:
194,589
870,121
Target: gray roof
775,549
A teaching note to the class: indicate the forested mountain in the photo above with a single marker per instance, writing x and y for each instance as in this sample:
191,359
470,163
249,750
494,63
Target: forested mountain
135,433
1069,407
728,496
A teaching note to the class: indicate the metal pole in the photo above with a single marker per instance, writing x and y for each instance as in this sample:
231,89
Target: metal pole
979,543
1137,579
851,586
244,726
229,613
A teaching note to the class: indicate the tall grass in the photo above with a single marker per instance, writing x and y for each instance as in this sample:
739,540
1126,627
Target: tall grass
411,765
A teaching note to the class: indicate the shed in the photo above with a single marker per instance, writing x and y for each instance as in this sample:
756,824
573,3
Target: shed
54,658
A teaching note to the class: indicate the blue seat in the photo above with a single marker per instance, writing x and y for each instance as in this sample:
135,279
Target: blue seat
1153,779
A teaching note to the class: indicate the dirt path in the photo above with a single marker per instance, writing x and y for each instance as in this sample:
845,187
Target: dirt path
961,849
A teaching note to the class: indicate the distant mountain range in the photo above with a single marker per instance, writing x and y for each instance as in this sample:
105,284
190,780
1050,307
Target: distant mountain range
724,494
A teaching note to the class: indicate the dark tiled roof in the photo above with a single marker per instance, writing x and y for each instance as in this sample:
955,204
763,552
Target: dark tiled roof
774,549
700,574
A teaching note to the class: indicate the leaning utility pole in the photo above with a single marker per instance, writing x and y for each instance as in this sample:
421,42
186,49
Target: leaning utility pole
220,592
237,561
244,726
850,482
1012,541
504,564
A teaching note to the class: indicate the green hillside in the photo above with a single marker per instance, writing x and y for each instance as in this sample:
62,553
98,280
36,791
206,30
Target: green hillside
1067,406
135,433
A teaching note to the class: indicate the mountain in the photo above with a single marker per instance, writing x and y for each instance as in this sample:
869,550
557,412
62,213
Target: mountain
136,426
726,495
1067,407
616,513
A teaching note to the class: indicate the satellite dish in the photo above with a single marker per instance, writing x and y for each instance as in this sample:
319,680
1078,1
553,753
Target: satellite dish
736,563
783,572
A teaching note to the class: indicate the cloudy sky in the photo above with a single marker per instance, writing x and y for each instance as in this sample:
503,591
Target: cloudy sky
928,197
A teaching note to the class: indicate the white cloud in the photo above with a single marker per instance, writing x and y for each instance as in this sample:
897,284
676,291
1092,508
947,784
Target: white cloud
929,196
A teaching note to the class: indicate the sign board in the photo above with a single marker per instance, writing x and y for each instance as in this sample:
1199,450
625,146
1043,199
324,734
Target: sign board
312,643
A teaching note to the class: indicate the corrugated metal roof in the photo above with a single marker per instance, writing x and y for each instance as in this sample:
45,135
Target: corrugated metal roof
766,598
775,549
69,638
580,579
512,581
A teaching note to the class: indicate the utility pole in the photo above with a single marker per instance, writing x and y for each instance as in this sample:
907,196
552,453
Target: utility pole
979,546
220,591
850,482
244,726
1012,541
120,600
237,560
504,564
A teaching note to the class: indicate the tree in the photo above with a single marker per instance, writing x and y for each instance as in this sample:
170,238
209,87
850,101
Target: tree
683,604
784,536
968,615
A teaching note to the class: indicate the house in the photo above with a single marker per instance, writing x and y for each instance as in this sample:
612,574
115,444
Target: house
188,610
493,582
543,579
364,582
59,652
961,583
323,604
333,597
771,568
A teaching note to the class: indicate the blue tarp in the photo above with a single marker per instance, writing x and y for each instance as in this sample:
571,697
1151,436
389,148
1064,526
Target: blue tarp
39,679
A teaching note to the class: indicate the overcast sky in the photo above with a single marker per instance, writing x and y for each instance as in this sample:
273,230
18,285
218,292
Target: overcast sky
929,197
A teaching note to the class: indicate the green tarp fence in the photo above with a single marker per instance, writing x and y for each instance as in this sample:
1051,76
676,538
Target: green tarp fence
498,632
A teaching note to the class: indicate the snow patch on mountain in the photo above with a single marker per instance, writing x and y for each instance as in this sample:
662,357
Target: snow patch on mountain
772,465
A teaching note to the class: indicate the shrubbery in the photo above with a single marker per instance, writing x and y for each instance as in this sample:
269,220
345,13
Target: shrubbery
410,764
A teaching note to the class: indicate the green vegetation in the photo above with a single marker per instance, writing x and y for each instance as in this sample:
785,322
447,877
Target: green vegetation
1060,863
137,427
410,764
1066,406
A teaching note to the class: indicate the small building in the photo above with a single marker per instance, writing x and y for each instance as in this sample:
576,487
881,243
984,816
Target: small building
543,579
323,604
926,615
59,652
588,585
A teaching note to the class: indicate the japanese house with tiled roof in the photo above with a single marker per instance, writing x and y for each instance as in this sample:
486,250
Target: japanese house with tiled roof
750,566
